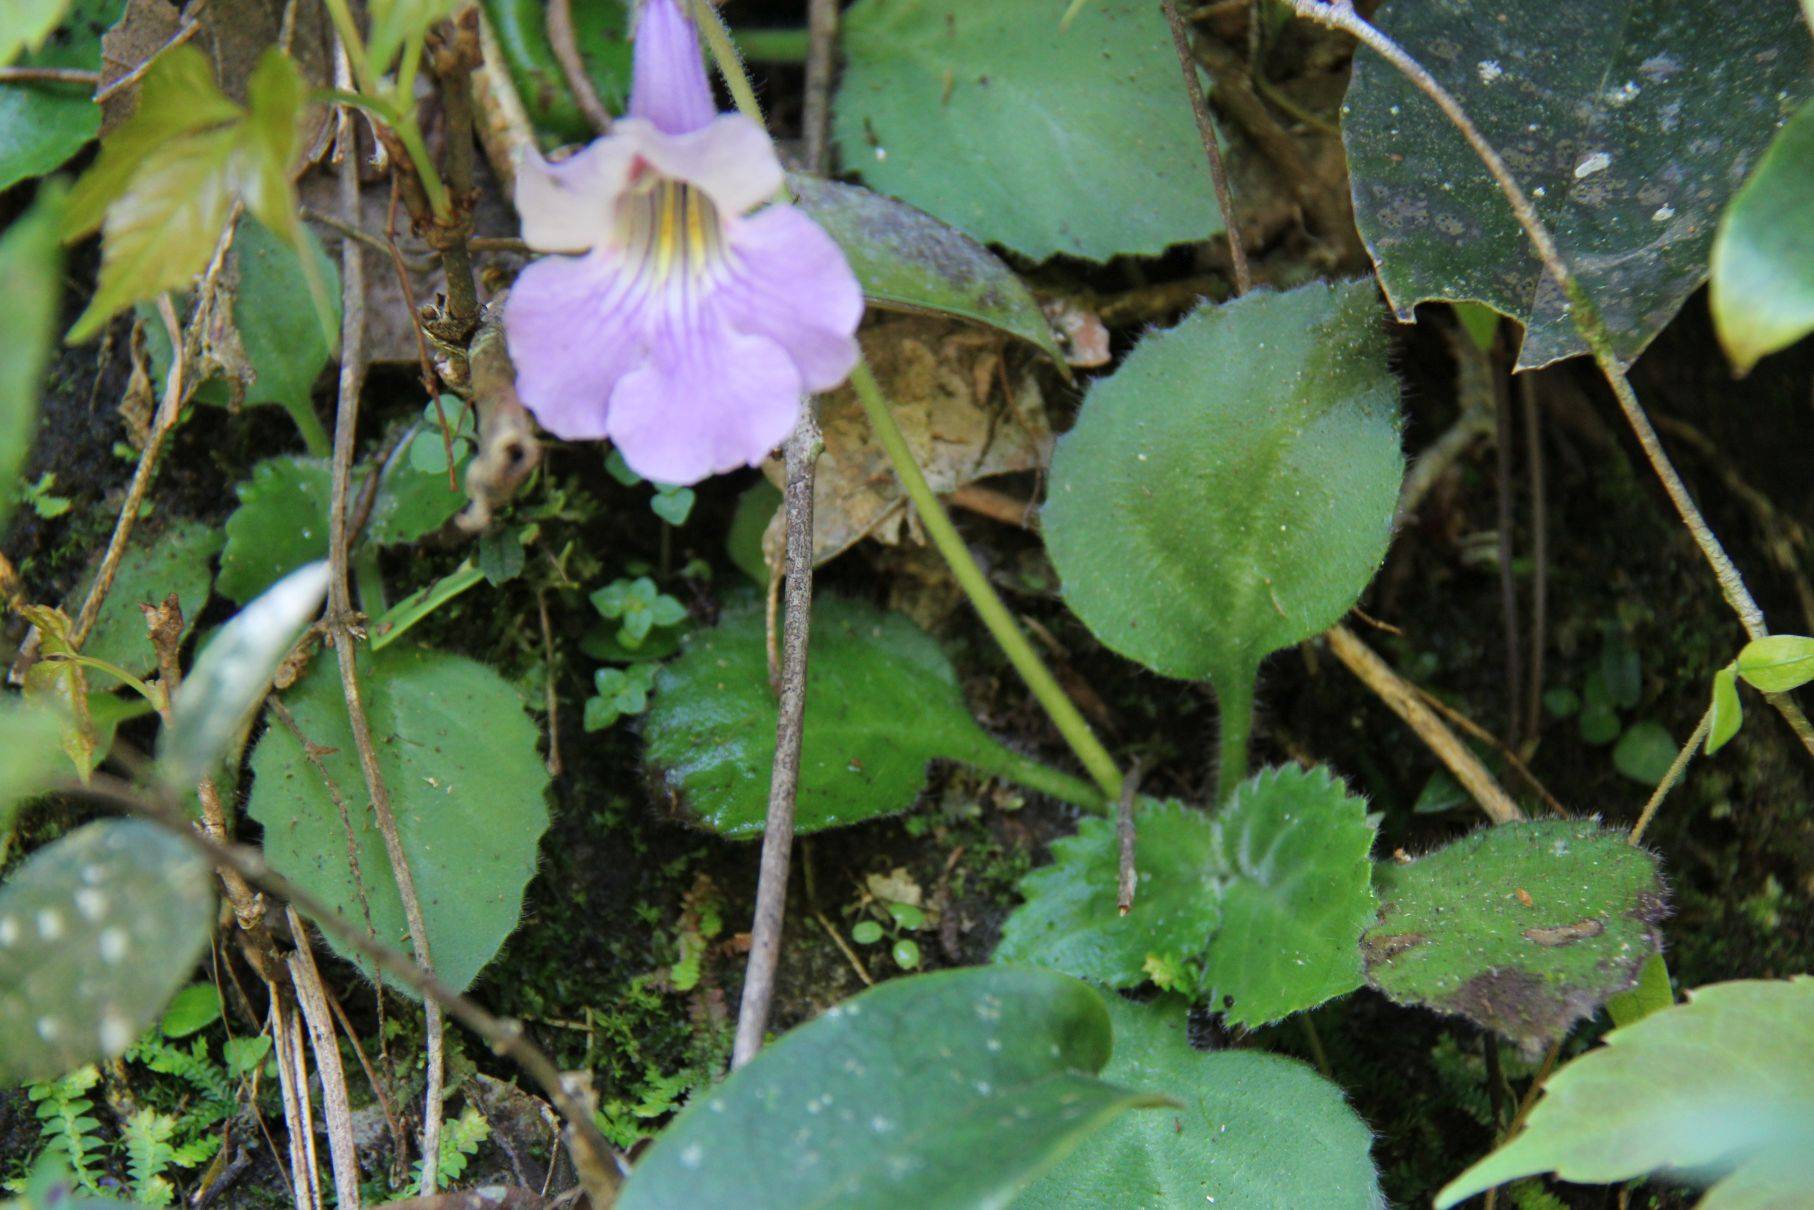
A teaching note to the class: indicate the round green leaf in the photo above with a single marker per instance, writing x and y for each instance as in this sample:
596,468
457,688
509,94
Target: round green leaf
881,701
1071,920
1230,490
1645,752
866,932
458,755
1290,856
176,560
1627,151
1254,1131
1720,1088
1777,663
995,120
1456,933
1763,277
950,1089
96,932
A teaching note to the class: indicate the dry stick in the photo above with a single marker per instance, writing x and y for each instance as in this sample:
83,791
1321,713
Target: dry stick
340,615
560,38
506,1038
293,1083
1470,727
1533,442
1125,835
455,52
784,779
132,77
1674,775
1508,575
1588,322
49,75
1404,701
343,1152
1218,171
822,31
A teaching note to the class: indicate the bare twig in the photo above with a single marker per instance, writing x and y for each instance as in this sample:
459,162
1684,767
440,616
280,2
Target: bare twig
1533,453
802,454
551,698
822,29
566,53
293,1082
1508,575
1206,127
1587,319
305,977
1470,727
1128,878
187,31
49,75
340,621
1404,701
1672,776
453,55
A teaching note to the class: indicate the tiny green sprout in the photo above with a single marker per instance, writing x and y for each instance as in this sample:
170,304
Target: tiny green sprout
42,499
621,691
672,504
428,449
639,607
866,932
907,953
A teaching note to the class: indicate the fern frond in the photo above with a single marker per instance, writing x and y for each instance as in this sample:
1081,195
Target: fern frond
65,1124
149,1152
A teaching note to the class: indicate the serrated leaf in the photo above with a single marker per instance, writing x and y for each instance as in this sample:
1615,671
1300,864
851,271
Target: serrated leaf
233,672
1622,132
1728,711
1071,920
96,931
43,125
909,261
1290,855
31,268
1717,1090
881,701
175,560
1777,663
1762,294
1255,1131
458,756
1456,935
1077,140
949,1089
1230,489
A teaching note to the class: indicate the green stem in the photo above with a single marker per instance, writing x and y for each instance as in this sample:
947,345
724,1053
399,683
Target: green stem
773,45
314,437
425,167
1234,700
1001,761
976,586
342,16
730,63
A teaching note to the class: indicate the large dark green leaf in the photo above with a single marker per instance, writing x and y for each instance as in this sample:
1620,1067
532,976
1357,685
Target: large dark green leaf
1718,1089
1524,928
42,125
1045,140
952,1089
31,266
97,931
909,261
1255,1131
1230,489
1629,125
881,701
458,755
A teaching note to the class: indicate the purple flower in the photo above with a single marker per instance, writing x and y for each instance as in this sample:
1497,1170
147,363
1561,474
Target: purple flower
685,328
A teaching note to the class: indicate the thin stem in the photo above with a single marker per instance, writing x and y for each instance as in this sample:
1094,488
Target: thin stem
803,449
1672,776
1000,623
315,437
49,75
724,53
1212,151
1234,703
1533,442
1002,761
1508,573
1584,312
815,118
573,69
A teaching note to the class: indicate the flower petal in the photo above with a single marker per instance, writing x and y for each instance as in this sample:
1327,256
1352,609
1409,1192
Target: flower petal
668,84
575,327
567,206
709,399
790,282
731,158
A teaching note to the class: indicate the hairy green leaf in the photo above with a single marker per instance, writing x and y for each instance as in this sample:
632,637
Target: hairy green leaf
175,560
1077,141
1719,1089
949,1089
458,755
1230,489
42,125
1071,920
909,261
1628,127
1762,291
1524,928
1290,855
97,930
31,268
1255,1131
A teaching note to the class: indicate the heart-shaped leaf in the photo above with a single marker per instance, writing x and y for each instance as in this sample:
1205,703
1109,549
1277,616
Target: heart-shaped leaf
950,1089
97,931
1622,140
458,755
1524,928
1076,140
1254,1130
1230,489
